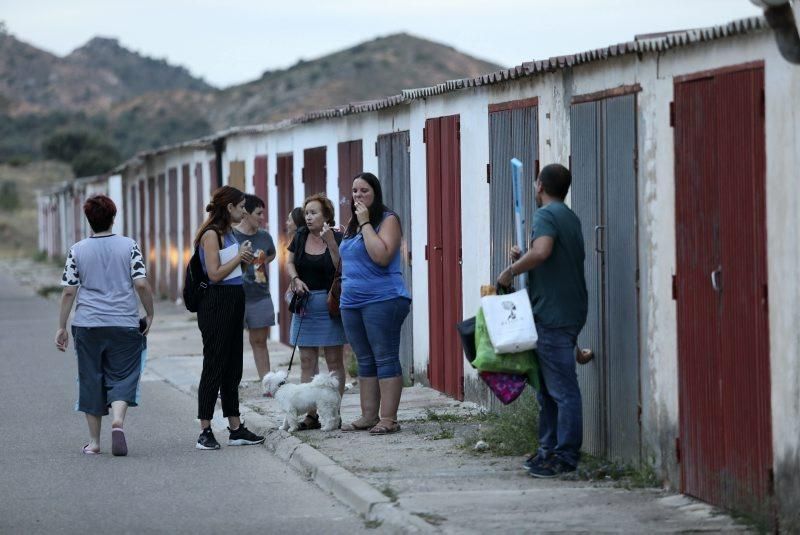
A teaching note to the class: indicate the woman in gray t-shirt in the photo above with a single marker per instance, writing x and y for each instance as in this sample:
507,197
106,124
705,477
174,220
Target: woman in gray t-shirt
105,272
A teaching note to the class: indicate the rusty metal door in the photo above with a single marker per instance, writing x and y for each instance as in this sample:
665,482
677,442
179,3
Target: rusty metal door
725,446
142,237
163,277
443,252
200,205
350,164
315,170
284,182
394,171
186,217
172,246
152,250
260,184
604,196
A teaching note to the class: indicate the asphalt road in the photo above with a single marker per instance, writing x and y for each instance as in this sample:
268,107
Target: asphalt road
163,485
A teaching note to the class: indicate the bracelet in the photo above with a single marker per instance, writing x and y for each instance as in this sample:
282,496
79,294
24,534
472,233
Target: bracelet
362,224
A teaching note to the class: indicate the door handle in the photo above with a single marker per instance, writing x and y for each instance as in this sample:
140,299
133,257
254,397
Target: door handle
715,279
437,248
597,234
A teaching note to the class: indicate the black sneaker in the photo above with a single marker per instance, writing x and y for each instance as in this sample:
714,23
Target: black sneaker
550,469
207,440
243,437
534,460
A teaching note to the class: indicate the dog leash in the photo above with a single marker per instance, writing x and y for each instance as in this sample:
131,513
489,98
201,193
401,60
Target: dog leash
297,339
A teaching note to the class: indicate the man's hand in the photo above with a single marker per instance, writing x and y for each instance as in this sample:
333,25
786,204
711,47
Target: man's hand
149,320
62,339
505,279
515,253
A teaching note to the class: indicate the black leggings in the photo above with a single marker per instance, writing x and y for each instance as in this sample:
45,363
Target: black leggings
220,316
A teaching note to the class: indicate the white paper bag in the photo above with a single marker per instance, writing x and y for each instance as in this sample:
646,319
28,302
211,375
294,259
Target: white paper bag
509,320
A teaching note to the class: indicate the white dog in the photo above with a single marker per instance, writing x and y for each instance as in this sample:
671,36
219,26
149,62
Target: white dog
322,394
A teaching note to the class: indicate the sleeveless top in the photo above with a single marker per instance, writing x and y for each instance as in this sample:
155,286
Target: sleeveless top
365,282
227,240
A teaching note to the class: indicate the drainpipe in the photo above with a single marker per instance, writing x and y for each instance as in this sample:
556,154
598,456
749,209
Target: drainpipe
219,148
781,17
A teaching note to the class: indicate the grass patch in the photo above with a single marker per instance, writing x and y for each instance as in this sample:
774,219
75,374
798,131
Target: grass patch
433,416
389,492
443,434
46,291
514,431
373,524
628,476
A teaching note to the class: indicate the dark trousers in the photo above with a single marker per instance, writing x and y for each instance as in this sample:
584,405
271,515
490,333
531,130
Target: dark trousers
219,316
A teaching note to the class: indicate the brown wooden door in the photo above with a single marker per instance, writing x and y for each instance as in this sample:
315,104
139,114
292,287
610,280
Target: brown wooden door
284,182
260,183
315,170
350,164
721,282
443,164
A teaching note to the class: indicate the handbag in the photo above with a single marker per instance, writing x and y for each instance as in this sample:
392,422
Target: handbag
466,330
335,293
488,360
509,320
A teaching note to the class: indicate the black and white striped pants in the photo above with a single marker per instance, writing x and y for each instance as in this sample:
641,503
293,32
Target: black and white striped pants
220,315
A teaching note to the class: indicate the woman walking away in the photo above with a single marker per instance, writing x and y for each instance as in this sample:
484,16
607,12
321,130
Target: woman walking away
374,304
220,315
259,312
105,272
313,257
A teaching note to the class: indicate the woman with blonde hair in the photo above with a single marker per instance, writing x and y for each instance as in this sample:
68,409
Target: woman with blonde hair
313,258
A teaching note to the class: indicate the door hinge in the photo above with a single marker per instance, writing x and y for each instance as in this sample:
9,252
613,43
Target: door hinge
763,104
535,169
672,114
303,173
765,295
569,163
376,148
678,449
488,173
770,482
426,252
674,287
424,135
458,130
276,180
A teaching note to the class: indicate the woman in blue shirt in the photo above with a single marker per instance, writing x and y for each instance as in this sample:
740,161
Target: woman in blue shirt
374,304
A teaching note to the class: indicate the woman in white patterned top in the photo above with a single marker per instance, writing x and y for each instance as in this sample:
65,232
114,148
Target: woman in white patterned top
104,273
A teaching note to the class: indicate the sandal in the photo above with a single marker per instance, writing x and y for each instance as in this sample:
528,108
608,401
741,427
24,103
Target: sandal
86,451
358,425
384,429
311,422
119,447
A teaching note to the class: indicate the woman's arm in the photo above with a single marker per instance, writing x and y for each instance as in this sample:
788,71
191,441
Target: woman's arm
295,283
216,271
382,246
329,238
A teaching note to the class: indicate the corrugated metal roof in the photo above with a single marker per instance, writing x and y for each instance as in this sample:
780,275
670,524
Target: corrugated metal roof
647,44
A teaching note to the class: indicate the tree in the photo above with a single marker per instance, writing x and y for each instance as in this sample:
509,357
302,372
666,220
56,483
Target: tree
9,196
87,153
93,162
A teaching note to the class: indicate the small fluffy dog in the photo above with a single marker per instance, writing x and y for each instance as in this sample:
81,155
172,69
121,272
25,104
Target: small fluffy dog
322,394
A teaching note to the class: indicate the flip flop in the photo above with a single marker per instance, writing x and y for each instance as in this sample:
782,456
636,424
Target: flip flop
381,429
86,451
119,447
354,426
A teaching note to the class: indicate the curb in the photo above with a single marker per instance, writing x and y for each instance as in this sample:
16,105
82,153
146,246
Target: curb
353,492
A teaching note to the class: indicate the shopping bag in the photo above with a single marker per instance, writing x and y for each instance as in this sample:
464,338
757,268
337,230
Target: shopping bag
466,330
487,360
505,386
509,319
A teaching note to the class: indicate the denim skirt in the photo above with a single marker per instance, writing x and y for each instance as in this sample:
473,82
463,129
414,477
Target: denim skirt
316,328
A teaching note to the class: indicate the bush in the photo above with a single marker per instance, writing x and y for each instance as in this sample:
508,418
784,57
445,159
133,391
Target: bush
93,162
9,195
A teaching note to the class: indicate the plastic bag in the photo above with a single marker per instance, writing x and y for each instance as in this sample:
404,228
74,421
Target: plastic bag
509,319
487,360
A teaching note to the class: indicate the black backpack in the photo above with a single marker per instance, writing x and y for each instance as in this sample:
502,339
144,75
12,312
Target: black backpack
196,281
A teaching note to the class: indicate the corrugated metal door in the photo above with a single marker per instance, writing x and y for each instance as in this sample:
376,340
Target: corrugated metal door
199,196
350,164
723,343
394,171
186,216
260,184
603,137
152,251
585,193
172,246
236,175
315,170
443,164
284,182
142,236
621,277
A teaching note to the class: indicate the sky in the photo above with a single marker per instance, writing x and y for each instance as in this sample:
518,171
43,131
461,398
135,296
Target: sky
234,41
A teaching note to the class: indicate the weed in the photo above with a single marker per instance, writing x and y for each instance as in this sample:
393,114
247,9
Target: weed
431,518
434,416
443,434
373,524
512,432
40,256
45,291
389,492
